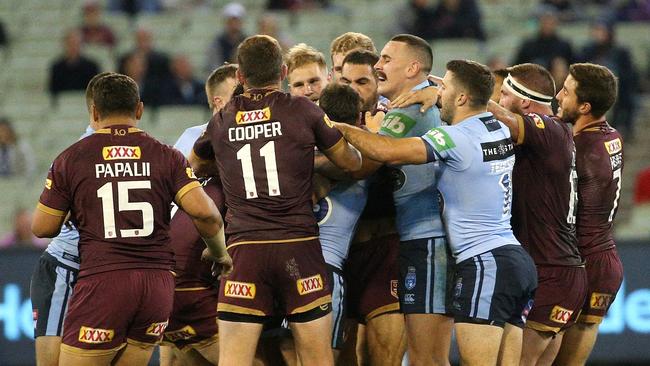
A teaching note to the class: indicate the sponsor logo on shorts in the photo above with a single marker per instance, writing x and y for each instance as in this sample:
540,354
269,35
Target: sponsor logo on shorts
600,301
184,333
257,115
324,307
48,183
309,284
613,146
410,279
393,288
409,299
157,329
121,152
95,335
242,290
560,314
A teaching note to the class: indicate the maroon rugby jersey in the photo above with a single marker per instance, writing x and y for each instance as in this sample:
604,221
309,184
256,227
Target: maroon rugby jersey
263,142
118,185
600,167
191,271
545,191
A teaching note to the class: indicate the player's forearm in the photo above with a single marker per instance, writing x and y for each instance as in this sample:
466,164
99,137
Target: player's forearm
508,118
210,228
324,167
370,145
217,244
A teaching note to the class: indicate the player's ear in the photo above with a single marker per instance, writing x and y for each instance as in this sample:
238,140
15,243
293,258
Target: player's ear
585,108
240,77
284,72
94,114
413,69
525,103
139,110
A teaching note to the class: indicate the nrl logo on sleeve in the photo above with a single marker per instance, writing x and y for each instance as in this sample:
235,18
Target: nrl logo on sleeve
48,183
190,173
241,290
560,314
157,329
614,146
537,119
258,115
309,284
121,152
95,335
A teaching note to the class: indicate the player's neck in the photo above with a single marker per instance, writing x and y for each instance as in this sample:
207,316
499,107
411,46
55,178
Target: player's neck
405,87
117,120
273,86
586,121
465,113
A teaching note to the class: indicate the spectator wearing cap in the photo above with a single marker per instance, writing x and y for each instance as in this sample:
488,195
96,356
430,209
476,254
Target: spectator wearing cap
224,46
547,44
92,29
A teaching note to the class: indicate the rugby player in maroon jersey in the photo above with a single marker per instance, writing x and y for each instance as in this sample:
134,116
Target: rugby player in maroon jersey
264,139
118,185
588,93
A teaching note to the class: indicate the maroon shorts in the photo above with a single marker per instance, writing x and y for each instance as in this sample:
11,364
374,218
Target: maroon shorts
605,275
193,323
291,274
109,309
371,273
559,297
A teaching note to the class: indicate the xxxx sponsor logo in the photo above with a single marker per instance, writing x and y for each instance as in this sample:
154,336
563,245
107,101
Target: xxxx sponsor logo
560,314
95,335
184,333
309,284
600,301
258,115
241,290
157,329
393,288
121,152
614,146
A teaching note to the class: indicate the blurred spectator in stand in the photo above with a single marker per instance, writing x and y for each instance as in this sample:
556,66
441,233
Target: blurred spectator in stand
415,17
559,70
546,44
16,157
604,50
72,71
182,88
133,7
457,19
157,62
642,187
563,8
283,4
634,11
135,66
93,31
224,46
267,24
21,236
4,37
496,63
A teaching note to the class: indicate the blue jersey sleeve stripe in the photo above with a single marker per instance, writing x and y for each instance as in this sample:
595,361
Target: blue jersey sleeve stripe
431,153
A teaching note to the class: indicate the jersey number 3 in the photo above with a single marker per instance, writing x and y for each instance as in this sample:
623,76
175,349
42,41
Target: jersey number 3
268,153
105,193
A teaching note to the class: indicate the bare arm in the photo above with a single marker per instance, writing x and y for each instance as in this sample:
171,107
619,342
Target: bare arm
512,120
208,222
202,167
383,148
46,225
325,167
344,156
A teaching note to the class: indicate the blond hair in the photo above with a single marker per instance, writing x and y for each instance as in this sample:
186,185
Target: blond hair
349,41
301,55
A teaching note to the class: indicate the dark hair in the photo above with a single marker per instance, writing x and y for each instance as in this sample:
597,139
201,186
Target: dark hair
597,86
361,57
502,73
115,94
476,78
260,60
422,49
91,85
535,77
340,102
